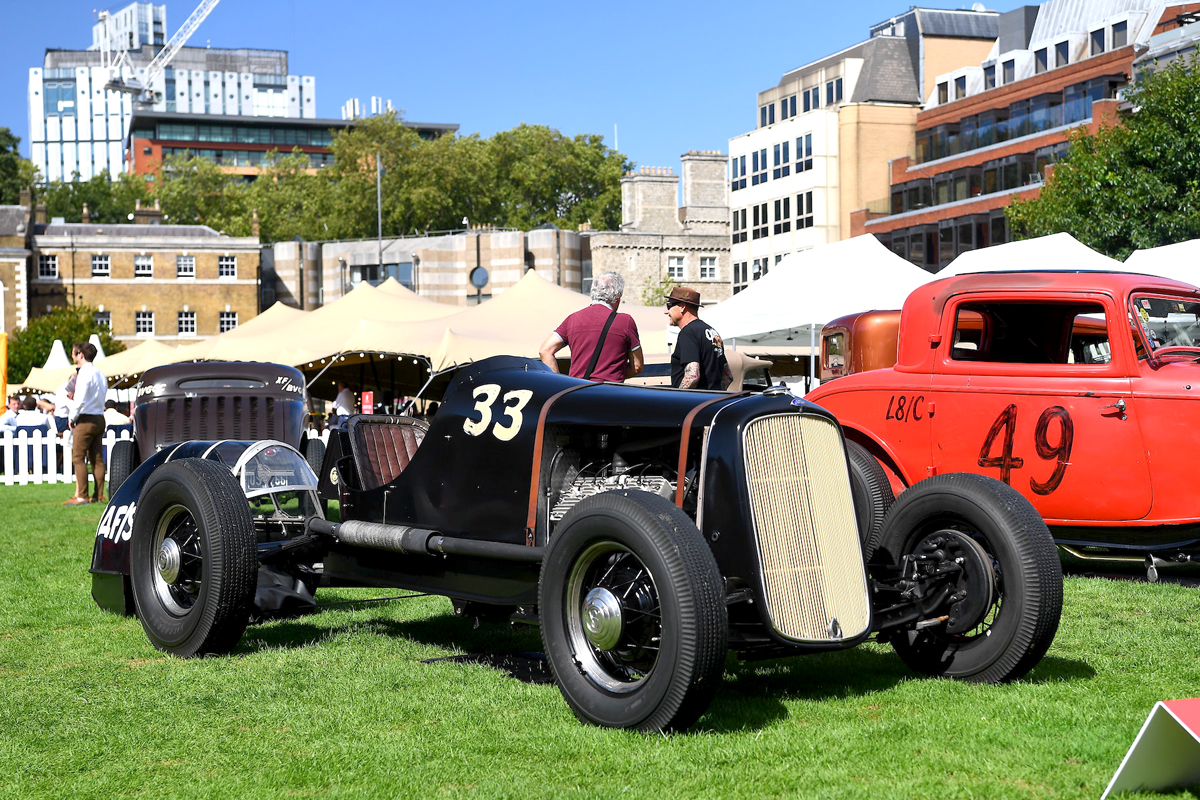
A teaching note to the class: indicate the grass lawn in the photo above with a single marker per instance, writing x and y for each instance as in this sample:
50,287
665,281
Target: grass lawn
340,704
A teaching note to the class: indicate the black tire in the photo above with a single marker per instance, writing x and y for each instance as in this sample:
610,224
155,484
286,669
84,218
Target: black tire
872,494
668,588
1023,603
122,461
192,559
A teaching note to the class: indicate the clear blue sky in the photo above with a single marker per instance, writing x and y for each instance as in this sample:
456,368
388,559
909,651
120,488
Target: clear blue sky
672,76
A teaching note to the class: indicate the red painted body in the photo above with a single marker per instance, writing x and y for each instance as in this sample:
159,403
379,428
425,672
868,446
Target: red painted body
1006,375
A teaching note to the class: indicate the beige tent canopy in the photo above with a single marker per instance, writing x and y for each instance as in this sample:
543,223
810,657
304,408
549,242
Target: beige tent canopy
117,367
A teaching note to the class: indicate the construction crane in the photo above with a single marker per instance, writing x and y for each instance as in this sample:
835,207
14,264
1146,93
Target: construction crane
142,88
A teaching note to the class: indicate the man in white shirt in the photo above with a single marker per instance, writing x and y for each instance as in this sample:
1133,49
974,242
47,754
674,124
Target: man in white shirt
10,413
87,425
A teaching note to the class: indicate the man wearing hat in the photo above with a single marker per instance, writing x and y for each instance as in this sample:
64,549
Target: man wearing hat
698,361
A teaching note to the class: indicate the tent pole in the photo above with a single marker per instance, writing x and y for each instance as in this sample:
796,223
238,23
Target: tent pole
375,373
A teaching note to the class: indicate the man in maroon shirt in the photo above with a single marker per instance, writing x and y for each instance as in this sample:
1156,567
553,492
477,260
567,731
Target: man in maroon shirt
620,355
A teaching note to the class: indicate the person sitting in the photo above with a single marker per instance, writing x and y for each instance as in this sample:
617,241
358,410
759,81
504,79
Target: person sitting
113,418
14,405
30,416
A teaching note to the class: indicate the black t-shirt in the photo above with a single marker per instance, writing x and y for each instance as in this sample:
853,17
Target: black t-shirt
699,342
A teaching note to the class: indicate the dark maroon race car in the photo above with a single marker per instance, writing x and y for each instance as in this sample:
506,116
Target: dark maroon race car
646,530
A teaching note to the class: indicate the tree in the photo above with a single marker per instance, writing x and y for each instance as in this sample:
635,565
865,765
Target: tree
655,293
109,201
30,346
16,173
290,201
1132,186
194,191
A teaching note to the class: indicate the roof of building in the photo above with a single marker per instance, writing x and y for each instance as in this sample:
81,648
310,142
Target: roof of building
219,59
959,24
93,229
12,218
887,73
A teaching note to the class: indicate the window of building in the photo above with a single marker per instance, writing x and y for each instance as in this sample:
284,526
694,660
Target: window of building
804,152
812,98
185,266
1010,71
187,323
804,210
989,77
1062,54
143,323
1040,64
47,267
739,276
787,107
783,215
1120,34
760,268
675,268
226,321
739,225
833,91
708,268
943,90
759,164
143,266
960,87
100,267
761,223
102,319
1097,42
782,161
762,116
226,266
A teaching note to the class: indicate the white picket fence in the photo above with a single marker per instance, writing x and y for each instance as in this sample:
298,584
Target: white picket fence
46,458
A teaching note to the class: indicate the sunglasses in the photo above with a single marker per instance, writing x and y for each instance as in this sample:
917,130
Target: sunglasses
672,303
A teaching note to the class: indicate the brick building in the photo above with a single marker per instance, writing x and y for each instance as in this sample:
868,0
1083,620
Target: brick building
239,145
14,258
174,283
989,130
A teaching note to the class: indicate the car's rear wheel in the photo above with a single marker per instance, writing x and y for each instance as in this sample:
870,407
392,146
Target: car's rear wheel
872,494
122,461
633,613
192,560
1006,579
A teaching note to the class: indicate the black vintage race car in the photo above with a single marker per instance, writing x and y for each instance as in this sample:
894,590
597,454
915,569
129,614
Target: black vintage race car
647,531
213,400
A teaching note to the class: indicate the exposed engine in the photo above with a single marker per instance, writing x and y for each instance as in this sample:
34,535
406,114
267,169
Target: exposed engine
583,487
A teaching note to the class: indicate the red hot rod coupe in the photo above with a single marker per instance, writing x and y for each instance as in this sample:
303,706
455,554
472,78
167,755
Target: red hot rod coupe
647,531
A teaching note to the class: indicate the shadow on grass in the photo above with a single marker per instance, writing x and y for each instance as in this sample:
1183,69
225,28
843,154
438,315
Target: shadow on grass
752,695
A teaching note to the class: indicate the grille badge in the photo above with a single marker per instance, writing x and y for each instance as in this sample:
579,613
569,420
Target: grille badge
835,629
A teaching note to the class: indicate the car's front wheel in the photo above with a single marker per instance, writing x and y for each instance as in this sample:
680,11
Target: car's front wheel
192,560
987,549
633,614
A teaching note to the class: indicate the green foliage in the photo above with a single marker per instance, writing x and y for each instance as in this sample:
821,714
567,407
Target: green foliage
655,294
16,173
29,347
194,191
1130,187
109,201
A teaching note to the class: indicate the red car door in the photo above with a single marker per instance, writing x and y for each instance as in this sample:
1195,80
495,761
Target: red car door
1036,392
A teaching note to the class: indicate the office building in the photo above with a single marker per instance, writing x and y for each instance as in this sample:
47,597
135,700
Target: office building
825,133
989,131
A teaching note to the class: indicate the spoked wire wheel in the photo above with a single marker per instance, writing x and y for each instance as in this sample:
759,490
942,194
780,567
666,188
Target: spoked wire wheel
179,569
614,617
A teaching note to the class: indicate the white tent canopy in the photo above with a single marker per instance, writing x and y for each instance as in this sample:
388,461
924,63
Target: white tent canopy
809,288
58,356
1059,251
1179,261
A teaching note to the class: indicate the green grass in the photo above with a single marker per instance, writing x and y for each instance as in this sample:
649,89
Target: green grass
339,704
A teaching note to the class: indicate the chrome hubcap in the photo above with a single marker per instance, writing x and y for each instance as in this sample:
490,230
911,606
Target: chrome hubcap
169,560
602,621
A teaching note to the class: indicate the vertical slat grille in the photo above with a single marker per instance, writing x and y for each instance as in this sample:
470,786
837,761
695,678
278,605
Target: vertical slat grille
805,527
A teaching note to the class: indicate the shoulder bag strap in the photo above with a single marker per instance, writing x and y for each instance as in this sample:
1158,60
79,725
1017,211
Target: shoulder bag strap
599,344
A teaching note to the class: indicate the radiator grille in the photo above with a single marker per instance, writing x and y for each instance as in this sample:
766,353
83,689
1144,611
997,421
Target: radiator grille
804,524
